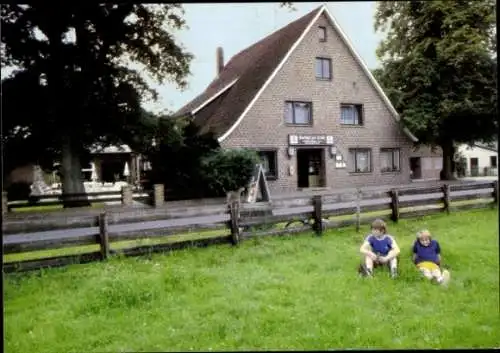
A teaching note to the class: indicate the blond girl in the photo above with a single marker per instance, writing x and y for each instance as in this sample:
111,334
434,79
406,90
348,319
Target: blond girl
427,258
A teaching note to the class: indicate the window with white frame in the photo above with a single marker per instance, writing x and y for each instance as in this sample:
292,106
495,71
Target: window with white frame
322,33
298,113
323,68
351,114
390,160
360,160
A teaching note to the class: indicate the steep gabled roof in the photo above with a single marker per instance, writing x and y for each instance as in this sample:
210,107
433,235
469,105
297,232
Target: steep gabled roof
225,102
251,67
493,146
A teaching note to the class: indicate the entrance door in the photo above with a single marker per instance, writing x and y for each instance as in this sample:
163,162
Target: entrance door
474,167
416,168
310,168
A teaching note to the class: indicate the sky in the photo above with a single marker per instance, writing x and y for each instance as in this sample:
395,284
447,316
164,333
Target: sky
236,26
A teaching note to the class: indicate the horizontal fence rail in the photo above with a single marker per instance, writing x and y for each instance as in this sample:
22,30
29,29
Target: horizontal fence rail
225,223
124,196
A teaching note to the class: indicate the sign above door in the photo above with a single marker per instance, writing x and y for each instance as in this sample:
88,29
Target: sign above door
310,140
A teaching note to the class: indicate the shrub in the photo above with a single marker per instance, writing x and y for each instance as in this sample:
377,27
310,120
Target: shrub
176,158
191,164
228,170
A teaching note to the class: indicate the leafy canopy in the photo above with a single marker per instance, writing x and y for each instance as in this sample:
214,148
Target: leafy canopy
439,69
81,71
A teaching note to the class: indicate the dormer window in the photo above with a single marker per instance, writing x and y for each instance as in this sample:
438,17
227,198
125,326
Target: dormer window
322,33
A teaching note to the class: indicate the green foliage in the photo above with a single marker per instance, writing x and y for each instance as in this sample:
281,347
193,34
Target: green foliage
228,170
78,77
288,5
460,163
438,67
177,155
191,164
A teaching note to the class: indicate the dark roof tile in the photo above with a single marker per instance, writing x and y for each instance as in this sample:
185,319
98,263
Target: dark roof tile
252,67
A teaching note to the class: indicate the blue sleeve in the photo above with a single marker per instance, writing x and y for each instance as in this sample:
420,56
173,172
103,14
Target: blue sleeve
438,248
415,247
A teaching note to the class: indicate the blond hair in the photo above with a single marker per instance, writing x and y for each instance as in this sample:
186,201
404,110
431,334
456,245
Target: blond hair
379,225
424,233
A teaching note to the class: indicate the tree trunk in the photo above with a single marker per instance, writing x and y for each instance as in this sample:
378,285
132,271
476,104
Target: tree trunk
448,155
72,178
71,170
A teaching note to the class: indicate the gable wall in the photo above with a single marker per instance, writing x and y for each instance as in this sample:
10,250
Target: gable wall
264,127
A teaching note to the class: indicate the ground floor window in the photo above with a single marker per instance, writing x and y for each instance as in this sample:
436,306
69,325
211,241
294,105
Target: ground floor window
390,160
360,160
269,160
493,161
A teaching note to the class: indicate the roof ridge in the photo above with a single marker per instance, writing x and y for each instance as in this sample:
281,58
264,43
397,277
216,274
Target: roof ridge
266,41
280,30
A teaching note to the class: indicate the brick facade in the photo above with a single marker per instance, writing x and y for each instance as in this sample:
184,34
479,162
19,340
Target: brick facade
264,126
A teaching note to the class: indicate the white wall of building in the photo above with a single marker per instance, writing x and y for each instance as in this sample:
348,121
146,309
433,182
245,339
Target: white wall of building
483,156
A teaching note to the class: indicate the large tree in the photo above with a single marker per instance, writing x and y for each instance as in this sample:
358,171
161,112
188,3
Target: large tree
439,70
78,78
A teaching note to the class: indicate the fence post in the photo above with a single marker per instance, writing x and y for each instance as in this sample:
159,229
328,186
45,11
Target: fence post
446,198
318,220
158,195
495,193
234,211
103,235
395,205
127,195
358,209
5,202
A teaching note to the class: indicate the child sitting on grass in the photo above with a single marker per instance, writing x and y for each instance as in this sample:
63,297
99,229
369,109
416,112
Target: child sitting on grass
379,248
427,258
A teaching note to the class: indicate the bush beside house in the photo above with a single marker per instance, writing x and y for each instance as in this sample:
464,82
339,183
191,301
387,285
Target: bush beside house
192,165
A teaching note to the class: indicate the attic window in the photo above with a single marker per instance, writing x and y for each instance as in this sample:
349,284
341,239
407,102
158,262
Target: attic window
322,33
323,69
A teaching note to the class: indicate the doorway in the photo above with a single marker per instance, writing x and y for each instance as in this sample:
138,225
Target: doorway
310,168
474,167
416,167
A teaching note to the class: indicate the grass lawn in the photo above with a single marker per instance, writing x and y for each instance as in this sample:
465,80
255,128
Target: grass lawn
299,292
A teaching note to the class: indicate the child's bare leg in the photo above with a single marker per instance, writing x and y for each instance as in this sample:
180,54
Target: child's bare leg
369,264
436,274
427,273
393,265
441,277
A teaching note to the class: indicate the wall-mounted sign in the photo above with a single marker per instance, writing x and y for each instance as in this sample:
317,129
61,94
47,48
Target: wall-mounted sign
315,140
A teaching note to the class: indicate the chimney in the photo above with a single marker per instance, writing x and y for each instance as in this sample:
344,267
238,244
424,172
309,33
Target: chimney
220,60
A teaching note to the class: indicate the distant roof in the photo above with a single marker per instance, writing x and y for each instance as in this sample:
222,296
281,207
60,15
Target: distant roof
492,146
224,103
111,149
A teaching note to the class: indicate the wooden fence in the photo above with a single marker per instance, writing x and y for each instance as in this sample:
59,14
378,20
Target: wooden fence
229,223
126,197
